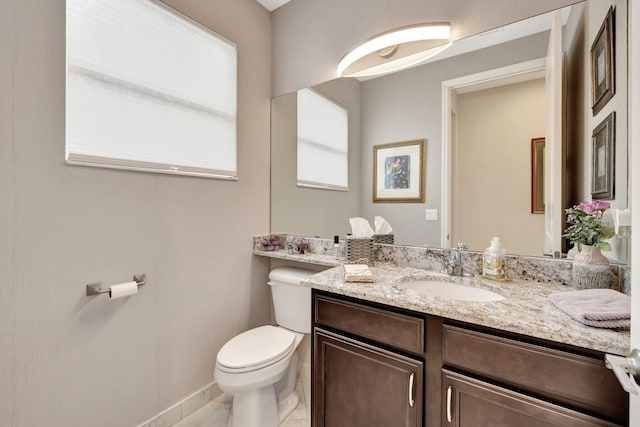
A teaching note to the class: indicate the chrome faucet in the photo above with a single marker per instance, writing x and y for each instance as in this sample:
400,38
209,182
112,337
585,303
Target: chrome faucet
454,266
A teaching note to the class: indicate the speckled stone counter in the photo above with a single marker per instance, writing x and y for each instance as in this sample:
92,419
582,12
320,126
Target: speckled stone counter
309,258
525,310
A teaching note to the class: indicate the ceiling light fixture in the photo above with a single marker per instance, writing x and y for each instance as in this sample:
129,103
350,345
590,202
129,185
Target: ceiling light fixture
418,43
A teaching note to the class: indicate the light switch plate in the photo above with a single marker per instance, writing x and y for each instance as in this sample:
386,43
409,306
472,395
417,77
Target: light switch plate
431,214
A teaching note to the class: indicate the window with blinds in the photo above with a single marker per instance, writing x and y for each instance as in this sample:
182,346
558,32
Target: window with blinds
149,89
323,142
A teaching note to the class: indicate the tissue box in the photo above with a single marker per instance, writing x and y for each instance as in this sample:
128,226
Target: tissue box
360,250
386,239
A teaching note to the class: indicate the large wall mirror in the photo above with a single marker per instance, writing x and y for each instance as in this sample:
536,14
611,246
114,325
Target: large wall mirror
490,128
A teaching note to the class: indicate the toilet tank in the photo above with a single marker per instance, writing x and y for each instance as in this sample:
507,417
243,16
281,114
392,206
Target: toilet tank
291,301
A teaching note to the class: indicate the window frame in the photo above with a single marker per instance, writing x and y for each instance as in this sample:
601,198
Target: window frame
77,159
313,184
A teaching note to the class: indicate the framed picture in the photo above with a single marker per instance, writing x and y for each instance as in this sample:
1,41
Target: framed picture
398,172
603,154
603,64
537,175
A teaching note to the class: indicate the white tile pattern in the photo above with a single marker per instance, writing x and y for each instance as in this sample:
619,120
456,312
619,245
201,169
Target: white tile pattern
216,412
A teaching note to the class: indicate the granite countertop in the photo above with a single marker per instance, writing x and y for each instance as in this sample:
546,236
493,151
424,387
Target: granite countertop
525,310
309,258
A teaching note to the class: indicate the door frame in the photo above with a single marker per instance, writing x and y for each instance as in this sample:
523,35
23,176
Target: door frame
520,72
634,190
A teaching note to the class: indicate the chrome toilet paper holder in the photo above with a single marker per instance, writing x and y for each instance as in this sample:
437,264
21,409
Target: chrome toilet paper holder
97,289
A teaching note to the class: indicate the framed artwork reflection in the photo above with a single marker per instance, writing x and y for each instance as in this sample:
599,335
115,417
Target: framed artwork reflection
399,171
603,64
603,159
537,175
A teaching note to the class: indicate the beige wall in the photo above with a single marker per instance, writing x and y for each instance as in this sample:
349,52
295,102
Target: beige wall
310,36
69,360
492,167
406,106
578,69
307,211
582,28
7,195
595,15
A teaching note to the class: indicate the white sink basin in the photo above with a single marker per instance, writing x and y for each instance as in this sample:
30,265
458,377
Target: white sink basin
437,288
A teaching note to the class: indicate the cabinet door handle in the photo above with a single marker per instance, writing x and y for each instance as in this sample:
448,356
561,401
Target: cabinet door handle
449,392
411,401
625,368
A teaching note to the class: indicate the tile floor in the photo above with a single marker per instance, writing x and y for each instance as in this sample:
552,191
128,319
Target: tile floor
216,412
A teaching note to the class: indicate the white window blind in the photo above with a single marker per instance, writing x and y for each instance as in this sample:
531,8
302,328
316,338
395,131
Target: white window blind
323,142
149,89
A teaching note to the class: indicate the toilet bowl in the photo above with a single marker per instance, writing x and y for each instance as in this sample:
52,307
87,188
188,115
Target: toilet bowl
258,368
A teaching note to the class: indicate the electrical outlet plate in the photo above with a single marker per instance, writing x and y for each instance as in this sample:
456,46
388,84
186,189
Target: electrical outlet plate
431,214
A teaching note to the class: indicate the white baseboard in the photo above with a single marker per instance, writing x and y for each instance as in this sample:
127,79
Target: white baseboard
185,407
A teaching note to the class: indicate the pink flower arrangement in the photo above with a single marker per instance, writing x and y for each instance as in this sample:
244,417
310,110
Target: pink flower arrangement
594,206
586,225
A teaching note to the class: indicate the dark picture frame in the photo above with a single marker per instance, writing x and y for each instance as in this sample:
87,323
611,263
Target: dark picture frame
603,159
603,64
537,175
399,171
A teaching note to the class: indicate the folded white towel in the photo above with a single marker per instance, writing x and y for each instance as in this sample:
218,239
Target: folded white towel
602,308
358,273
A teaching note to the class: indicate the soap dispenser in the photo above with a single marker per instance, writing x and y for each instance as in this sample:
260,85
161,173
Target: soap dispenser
494,261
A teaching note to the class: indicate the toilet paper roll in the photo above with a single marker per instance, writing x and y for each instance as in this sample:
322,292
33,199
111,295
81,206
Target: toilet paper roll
123,290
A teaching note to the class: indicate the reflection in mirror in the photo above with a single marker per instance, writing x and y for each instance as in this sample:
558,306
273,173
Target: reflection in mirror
491,176
323,139
537,175
407,105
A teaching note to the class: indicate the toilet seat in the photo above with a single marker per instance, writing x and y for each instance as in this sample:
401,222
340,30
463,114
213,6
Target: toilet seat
255,349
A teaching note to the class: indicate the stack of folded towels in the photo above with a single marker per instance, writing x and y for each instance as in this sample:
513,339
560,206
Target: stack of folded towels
602,308
358,273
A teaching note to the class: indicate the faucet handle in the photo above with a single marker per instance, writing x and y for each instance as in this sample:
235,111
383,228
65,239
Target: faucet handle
462,246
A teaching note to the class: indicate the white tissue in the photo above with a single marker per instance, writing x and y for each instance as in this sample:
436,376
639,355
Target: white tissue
360,228
621,218
382,226
123,290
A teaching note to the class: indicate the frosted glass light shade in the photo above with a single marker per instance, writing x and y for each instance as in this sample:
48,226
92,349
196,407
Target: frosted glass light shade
400,36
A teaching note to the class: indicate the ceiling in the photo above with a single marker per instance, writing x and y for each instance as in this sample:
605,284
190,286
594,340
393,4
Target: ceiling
272,5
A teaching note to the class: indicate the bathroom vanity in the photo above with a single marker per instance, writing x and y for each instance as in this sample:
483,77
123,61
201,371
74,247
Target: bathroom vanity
385,354
378,365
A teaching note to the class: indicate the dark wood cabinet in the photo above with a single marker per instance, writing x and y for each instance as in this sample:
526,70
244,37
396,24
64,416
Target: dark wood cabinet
357,384
573,380
470,402
375,365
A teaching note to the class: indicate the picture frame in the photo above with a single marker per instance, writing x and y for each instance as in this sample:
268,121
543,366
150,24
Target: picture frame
603,64
603,159
537,175
399,172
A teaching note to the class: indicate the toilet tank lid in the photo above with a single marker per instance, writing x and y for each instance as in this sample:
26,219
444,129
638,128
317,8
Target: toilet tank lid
289,275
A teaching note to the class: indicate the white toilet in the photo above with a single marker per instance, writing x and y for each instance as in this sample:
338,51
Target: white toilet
259,366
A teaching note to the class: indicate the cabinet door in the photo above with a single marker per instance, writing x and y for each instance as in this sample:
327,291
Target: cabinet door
472,403
358,385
